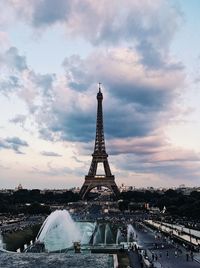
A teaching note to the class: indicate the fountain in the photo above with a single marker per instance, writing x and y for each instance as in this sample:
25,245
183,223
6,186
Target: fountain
108,237
87,230
1,243
130,233
98,236
59,231
118,237
103,235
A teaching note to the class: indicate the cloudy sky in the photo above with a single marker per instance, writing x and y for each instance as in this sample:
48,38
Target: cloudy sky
52,56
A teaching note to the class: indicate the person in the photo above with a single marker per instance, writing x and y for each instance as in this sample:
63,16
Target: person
175,253
153,256
167,254
187,257
192,255
156,257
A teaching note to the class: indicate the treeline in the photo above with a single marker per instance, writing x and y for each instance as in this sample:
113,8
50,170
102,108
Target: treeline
175,202
33,202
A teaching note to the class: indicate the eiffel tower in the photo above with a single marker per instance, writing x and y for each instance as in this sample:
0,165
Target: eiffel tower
99,155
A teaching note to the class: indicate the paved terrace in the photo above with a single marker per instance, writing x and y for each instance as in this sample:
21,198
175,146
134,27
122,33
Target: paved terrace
162,251
188,235
56,260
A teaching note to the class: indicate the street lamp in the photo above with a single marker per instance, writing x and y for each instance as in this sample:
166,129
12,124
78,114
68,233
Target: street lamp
190,236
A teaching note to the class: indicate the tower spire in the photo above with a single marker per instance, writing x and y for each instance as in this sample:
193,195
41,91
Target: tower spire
99,87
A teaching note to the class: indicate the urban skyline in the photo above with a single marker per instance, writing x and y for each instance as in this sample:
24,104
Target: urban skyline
147,58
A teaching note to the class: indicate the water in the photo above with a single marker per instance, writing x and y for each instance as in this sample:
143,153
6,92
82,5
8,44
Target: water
98,236
103,235
1,243
13,241
130,233
59,231
86,229
108,237
118,237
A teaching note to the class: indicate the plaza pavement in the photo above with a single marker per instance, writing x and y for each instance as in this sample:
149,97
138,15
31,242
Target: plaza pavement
191,236
53,260
176,257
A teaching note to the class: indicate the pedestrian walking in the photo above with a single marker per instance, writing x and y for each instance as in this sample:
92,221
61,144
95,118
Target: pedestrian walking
192,255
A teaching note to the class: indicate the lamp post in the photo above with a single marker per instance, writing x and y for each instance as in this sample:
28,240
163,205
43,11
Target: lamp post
190,236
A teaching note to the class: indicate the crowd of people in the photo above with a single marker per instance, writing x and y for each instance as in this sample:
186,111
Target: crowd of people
13,224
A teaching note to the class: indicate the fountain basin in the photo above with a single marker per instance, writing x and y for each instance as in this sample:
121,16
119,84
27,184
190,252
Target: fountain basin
59,231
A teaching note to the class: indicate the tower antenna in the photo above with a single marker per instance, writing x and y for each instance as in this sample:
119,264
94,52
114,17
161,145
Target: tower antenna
100,87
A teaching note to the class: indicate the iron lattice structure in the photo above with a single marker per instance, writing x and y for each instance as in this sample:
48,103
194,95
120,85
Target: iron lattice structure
99,155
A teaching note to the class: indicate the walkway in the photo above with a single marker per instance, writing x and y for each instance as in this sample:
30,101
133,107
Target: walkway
162,251
54,260
134,259
185,234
